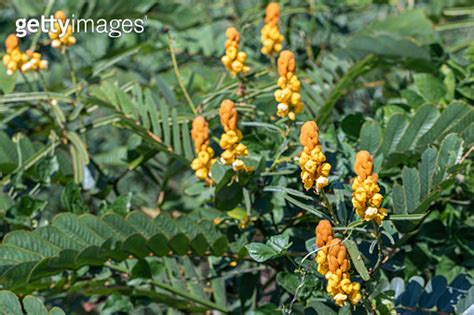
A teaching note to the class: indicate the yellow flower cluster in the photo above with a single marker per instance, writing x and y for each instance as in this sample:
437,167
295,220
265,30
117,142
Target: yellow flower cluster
15,59
230,139
34,62
234,60
203,162
271,36
334,264
67,39
314,168
366,198
288,96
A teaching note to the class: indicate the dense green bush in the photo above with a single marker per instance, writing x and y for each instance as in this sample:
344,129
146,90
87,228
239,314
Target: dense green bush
100,211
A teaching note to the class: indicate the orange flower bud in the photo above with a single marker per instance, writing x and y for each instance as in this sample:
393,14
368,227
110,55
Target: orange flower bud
11,43
324,233
60,15
272,13
309,136
364,164
232,36
286,63
228,115
200,133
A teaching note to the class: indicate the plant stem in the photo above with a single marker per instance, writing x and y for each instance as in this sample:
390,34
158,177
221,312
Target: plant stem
379,244
47,11
178,292
328,206
27,81
178,76
73,74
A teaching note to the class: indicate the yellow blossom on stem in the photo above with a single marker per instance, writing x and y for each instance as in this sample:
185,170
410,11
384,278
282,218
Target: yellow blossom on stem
271,36
314,168
288,95
16,60
230,139
234,60
59,40
366,197
334,264
205,154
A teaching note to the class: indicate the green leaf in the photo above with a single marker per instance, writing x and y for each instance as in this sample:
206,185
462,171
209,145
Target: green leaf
73,241
454,117
352,124
406,217
261,252
423,120
279,243
176,132
429,87
393,133
427,170
228,196
121,204
409,24
164,114
152,113
351,74
7,82
33,306
356,258
10,303
411,185
370,136
399,200
71,199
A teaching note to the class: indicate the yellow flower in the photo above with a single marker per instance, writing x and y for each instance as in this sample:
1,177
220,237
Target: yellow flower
205,154
366,198
230,139
58,41
333,263
288,96
314,169
16,60
234,60
271,36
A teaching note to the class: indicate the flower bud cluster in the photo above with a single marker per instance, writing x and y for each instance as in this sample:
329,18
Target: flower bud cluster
15,59
205,154
230,139
234,60
333,263
314,168
271,36
288,96
56,40
366,197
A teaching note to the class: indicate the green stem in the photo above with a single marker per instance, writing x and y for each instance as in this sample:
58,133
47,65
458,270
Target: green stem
328,206
379,244
73,74
47,11
178,76
27,81
32,161
178,292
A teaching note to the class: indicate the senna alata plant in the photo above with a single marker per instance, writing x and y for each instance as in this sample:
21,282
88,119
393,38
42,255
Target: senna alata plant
236,157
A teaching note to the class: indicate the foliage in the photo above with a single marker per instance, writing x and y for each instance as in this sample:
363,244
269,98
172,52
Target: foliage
100,211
